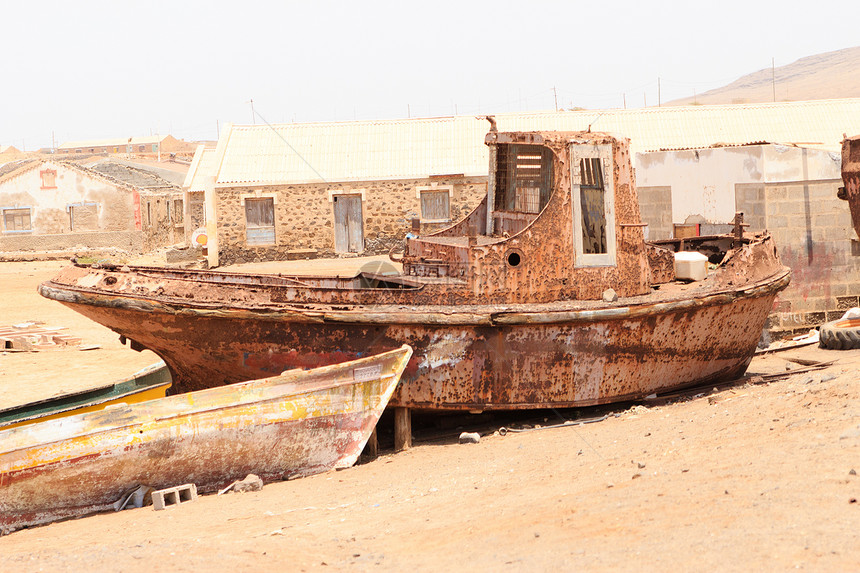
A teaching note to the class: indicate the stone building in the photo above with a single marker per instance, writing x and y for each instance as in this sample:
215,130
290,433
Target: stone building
351,189
54,205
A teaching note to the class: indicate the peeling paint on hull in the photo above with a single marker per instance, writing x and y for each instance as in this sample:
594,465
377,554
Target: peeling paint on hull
298,424
503,360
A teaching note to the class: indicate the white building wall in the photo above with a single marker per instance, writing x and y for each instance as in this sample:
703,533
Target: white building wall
702,181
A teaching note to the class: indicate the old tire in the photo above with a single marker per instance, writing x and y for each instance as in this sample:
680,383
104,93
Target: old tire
842,334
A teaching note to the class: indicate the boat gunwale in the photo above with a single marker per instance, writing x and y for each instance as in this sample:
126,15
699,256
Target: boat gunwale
141,418
100,395
535,313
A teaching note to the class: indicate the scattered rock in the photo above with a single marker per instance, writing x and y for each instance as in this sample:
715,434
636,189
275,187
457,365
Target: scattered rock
635,476
609,295
250,483
640,465
852,472
470,438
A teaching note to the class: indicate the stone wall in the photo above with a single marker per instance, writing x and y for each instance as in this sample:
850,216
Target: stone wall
131,241
304,215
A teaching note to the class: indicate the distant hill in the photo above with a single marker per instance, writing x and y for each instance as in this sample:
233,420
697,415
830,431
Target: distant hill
831,75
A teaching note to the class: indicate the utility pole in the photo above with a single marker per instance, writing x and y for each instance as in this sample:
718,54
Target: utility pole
773,76
659,100
217,130
624,98
253,117
555,97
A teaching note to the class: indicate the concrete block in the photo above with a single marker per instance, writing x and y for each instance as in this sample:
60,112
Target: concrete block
845,302
789,207
171,496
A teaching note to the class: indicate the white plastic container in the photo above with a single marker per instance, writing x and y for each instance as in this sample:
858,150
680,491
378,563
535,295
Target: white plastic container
690,266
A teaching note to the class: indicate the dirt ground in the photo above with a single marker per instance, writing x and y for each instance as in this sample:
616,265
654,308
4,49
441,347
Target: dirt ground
752,476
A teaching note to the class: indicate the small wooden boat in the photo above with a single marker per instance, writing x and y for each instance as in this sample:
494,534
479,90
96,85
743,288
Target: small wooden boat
296,424
150,383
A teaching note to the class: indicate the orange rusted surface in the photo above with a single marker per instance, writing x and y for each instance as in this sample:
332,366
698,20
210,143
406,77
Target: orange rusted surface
851,178
504,310
293,425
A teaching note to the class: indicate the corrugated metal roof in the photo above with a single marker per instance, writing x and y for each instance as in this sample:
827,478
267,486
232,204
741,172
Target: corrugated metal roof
418,148
116,142
202,165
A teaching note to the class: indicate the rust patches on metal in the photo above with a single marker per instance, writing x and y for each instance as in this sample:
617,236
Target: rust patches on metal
504,309
851,178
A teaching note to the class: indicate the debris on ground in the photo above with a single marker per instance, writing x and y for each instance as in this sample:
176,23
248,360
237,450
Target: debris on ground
250,483
34,336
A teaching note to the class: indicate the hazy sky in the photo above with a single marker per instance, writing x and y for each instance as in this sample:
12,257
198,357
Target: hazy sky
93,69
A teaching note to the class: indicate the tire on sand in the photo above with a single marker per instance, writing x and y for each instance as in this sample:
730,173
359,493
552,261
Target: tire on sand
842,334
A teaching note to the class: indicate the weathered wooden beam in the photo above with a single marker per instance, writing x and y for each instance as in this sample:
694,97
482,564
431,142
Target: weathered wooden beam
371,449
402,429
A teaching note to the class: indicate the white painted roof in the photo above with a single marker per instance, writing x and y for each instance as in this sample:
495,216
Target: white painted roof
418,148
203,164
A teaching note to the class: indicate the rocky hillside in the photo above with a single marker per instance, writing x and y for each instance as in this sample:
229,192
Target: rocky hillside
823,76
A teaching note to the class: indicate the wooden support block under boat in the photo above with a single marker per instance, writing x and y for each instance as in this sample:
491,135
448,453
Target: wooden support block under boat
402,429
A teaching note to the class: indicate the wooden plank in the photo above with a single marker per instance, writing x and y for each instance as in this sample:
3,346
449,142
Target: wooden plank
402,429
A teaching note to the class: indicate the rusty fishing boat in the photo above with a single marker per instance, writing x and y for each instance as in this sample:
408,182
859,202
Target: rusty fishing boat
296,424
546,295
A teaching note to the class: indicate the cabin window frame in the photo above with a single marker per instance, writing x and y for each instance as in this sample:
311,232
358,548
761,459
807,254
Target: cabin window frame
260,235
603,152
421,191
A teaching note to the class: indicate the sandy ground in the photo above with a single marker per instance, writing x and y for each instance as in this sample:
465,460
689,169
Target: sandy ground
753,476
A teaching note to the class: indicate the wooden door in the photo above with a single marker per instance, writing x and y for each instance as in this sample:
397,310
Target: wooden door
348,224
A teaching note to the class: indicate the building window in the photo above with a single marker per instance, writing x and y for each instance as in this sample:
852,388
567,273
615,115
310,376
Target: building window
49,178
141,148
260,221
16,220
593,200
435,204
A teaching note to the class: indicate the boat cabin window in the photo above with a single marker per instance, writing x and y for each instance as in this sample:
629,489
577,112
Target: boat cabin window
523,178
593,200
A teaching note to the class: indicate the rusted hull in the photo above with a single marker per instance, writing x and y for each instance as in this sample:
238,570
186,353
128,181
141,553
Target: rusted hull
555,357
293,425
851,178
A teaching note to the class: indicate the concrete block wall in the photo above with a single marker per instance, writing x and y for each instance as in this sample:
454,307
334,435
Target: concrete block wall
750,200
812,230
655,207
304,215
